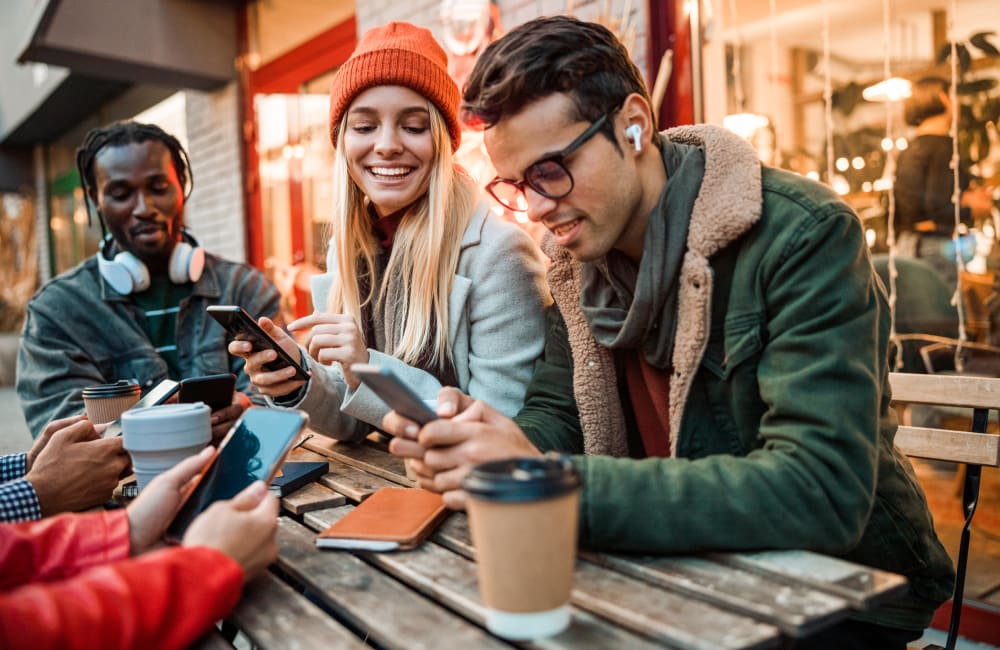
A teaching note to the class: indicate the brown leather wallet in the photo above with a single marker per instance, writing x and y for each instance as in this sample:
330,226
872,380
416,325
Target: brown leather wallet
391,519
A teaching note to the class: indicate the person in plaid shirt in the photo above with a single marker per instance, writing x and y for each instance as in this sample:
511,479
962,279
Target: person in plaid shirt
70,467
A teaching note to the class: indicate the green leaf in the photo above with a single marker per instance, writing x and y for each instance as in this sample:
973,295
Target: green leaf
964,58
981,42
976,86
944,53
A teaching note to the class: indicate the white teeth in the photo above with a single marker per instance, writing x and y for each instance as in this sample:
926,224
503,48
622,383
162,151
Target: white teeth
563,229
389,171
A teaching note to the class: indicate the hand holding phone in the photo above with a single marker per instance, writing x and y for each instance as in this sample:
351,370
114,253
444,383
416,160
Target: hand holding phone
244,328
394,392
252,451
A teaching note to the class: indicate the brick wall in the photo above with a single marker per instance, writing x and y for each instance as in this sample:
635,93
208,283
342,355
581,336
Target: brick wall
512,13
215,210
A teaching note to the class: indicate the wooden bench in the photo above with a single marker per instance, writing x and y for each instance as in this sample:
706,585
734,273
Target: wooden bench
973,448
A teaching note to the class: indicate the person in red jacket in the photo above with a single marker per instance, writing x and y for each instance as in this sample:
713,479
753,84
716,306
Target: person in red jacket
105,579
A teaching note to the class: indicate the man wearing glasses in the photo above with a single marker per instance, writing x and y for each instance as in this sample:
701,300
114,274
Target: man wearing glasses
717,361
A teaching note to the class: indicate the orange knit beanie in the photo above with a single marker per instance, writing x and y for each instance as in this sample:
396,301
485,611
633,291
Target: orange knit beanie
397,54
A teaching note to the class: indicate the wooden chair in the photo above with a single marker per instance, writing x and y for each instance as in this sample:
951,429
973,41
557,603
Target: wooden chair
974,448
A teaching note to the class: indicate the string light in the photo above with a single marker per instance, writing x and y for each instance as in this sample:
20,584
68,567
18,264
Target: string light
956,189
827,91
890,167
741,123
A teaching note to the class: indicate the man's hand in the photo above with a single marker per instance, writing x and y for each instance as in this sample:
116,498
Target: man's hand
76,469
46,435
469,432
333,338
150,514
269,382
223,419
242,527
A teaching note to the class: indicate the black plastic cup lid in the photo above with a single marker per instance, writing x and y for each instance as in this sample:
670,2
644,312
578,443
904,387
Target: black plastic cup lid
523,479
117,389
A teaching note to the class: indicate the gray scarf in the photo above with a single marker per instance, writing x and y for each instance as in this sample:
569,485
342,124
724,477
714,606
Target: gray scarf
629,307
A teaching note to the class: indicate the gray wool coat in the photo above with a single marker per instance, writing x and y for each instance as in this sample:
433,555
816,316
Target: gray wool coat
496,327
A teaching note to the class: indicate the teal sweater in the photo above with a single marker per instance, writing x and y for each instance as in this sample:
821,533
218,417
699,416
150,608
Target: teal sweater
781,431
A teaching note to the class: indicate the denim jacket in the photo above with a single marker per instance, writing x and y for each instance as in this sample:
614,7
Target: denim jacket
79,331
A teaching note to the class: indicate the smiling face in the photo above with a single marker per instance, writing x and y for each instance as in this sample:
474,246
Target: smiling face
140,199
605,209
388,146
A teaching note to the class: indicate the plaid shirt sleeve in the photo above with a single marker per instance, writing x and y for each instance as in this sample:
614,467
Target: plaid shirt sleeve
13,466
18,501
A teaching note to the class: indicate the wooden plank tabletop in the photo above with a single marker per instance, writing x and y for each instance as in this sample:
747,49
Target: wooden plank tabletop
429,597
375,605
863,587
273,615
450,578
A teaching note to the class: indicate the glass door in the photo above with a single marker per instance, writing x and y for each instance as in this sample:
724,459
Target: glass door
295,162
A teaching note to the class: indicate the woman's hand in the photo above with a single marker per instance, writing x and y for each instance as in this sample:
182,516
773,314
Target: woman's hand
269,382
243,528
334,338
150,514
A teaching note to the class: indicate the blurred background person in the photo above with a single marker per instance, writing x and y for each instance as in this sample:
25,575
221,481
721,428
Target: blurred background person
924,186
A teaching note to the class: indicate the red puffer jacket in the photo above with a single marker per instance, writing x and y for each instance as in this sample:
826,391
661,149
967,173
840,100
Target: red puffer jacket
68,582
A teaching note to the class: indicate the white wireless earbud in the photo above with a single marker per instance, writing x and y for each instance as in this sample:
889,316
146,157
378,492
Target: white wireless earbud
634,133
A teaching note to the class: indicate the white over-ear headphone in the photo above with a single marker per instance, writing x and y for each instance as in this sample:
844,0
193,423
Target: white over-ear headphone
126,273
634,133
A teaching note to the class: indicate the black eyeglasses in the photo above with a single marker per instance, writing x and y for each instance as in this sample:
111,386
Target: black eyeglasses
548,176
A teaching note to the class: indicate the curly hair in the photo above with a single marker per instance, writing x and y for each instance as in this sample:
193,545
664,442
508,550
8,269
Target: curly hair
557,54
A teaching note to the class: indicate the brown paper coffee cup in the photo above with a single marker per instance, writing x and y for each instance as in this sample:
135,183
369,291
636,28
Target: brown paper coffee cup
106,402
523,518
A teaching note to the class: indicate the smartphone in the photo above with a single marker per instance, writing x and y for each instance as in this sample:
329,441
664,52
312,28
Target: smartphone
253,450
394,392
244,328
214,390
158,394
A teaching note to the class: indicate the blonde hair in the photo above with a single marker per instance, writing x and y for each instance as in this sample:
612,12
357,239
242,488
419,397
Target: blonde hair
424,254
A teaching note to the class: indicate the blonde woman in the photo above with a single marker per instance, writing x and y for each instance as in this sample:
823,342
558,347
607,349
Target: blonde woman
422,277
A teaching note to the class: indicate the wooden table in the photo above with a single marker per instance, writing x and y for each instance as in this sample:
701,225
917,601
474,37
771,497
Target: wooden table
429,597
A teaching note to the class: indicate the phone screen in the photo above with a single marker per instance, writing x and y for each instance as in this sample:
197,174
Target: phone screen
156,395
394,392
241,325
251,452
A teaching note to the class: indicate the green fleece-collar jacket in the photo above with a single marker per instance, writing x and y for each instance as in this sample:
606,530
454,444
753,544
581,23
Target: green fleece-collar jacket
781,433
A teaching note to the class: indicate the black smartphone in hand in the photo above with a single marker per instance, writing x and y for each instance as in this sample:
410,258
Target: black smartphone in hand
394,392
253,450
214,390
244,328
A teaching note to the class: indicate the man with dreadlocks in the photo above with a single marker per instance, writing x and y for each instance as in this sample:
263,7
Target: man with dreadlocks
136,310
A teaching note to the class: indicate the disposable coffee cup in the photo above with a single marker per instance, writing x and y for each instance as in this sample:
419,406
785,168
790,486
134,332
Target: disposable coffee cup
523,517
159,437
106,402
